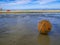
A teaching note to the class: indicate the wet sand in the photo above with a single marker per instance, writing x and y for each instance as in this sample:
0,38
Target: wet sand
21,29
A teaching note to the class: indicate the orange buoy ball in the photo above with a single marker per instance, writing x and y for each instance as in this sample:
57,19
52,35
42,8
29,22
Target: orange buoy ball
44,26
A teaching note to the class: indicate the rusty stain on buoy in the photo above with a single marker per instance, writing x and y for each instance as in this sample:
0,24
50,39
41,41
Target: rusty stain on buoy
44,26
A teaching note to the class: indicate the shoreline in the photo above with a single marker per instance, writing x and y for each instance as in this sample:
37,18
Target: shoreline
29,11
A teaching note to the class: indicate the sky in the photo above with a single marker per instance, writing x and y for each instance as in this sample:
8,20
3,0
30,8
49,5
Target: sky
29,4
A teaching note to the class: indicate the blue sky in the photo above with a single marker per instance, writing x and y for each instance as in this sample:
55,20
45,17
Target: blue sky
30,4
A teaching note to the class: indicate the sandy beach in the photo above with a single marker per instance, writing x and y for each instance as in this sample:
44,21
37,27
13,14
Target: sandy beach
21,29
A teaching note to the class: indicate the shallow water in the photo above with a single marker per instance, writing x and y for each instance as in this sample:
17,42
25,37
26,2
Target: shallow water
21,29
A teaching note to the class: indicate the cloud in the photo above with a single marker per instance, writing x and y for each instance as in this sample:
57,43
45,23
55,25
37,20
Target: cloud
46,1
43,1
16,2
21,2
27,4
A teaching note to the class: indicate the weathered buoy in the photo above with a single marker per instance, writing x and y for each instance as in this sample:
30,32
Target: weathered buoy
44,26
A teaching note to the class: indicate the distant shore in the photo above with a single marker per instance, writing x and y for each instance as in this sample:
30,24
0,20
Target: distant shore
30,11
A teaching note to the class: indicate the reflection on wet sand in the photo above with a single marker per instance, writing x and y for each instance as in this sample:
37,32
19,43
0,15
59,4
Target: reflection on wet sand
43,39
